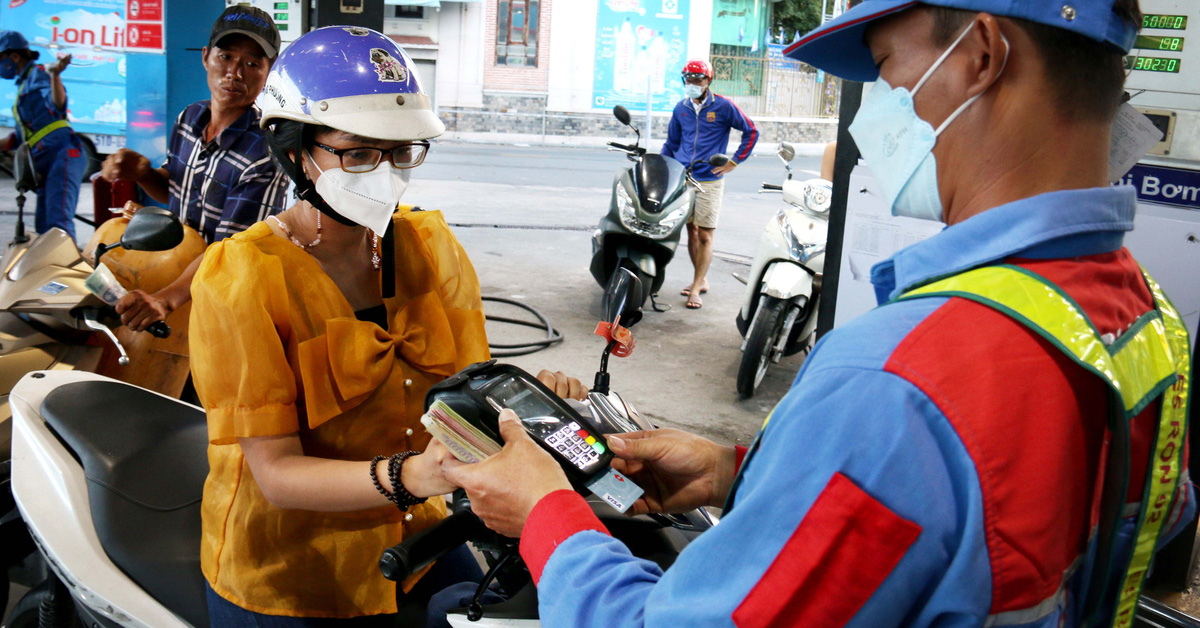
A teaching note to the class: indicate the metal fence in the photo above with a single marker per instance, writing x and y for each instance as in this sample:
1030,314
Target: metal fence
770,85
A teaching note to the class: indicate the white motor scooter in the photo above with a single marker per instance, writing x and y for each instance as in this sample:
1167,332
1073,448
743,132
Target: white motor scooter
108,477
783,289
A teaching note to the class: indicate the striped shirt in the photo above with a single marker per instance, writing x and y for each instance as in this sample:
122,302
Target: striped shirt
222,187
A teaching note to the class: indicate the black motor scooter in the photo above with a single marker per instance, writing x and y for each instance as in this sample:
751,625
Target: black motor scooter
651,202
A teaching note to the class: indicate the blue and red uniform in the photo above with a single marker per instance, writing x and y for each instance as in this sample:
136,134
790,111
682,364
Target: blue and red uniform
935,463
58,156
695,136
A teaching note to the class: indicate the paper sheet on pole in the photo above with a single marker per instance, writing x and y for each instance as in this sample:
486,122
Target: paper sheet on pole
1133,135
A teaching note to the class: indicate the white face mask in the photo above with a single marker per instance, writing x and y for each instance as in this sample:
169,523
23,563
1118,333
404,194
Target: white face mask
368,198
693,91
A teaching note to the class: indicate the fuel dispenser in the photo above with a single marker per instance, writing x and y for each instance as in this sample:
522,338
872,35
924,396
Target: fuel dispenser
1163,85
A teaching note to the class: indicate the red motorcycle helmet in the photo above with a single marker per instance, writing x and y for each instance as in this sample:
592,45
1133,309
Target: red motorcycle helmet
697,68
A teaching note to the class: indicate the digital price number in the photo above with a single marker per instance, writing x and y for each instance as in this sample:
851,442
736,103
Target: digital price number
1152,64
1172,22
1155,42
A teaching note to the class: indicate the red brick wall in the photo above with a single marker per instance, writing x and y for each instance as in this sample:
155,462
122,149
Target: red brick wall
523,79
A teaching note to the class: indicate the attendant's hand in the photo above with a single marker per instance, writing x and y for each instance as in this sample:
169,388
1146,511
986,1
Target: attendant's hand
505,487
726,169
421,474
563,386
678,471
139,309
59,65
125,164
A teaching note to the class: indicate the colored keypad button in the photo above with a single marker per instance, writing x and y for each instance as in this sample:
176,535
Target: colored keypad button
598,447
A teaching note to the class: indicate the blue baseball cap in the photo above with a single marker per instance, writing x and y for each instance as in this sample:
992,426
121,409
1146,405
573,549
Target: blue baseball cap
12,40
838,48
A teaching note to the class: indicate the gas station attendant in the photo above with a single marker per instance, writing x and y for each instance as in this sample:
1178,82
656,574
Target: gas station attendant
999,443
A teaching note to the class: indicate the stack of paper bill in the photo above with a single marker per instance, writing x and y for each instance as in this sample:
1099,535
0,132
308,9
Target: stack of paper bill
464,440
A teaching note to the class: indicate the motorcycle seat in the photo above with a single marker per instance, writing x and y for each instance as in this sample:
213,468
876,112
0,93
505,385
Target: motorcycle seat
145,458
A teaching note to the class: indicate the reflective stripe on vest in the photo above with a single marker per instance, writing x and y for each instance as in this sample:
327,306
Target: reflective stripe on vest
1149,361
31,137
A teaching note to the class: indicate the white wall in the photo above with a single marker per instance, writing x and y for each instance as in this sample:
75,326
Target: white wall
460,39
572,55
573,50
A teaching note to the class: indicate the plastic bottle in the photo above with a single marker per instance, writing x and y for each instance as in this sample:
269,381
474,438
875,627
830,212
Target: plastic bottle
623,59
658,65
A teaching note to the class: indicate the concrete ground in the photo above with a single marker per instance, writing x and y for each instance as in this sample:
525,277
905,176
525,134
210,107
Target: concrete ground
682,373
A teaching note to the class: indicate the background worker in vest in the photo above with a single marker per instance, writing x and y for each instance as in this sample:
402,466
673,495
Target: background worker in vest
218,177
937,460
41,119
699,129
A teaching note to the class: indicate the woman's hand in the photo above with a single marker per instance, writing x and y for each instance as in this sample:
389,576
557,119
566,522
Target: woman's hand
421,474
506,486
563,386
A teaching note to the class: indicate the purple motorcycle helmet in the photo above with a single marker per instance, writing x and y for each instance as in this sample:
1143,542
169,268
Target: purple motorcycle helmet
348,78
352,79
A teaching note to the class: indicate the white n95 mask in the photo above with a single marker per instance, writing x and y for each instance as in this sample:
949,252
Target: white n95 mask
367,198
898,145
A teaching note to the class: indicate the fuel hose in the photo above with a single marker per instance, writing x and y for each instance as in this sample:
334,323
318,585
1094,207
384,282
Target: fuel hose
553,336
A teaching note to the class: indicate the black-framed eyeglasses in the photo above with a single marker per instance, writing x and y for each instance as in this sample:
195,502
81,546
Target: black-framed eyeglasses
694,78
360,159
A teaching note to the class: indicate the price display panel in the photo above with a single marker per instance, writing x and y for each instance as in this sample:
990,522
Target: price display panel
1170,22
1158,42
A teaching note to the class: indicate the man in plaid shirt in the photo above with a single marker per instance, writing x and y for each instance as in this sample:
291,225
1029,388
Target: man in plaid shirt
218,176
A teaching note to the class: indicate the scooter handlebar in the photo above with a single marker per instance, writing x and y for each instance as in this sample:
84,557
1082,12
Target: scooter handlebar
771,187
419,551
633,150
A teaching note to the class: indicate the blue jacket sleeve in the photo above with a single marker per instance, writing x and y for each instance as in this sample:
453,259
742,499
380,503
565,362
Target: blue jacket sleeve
743,123
674,133
893,447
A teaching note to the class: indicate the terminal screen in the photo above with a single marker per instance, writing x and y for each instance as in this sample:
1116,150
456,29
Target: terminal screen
1152,64
1173,22
1156,42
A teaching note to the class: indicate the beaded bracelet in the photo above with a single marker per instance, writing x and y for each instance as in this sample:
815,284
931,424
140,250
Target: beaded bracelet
400,495
375,479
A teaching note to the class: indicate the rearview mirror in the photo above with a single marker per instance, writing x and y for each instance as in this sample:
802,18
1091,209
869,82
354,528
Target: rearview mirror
623,298
622,115
718,160
152,229
787,152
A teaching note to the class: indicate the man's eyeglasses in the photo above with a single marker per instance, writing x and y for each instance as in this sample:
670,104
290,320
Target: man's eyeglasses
694,79
360,159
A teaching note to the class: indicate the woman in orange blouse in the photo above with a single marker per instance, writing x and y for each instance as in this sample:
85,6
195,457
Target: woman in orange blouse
315,336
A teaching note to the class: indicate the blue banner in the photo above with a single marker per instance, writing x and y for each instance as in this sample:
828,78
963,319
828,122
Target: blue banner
93,33
640,45
1165,185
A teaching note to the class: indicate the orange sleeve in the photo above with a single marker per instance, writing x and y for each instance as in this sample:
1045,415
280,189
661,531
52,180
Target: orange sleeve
239,365
458,285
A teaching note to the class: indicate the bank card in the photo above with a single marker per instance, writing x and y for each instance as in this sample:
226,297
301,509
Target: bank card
615,489
103,283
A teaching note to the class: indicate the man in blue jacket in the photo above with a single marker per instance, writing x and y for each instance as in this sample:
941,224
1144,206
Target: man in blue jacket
982,449
700,129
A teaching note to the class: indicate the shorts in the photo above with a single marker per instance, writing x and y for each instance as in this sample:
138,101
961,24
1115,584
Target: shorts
707,207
